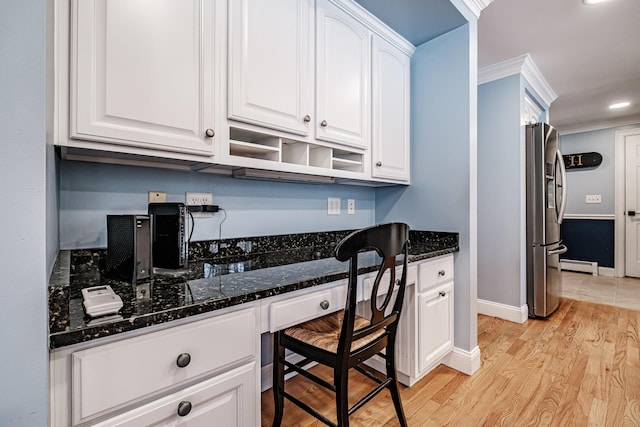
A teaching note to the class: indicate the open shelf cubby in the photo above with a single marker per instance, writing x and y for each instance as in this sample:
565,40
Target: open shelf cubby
347,161
257,145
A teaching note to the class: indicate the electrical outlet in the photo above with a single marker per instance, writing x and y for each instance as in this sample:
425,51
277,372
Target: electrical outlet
333,206
157,196
351,206
593,198
198,199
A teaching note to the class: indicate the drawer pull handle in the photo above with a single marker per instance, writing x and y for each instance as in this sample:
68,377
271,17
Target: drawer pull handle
184,408
307,118
183,360
441,273
210,133
324,304
443,293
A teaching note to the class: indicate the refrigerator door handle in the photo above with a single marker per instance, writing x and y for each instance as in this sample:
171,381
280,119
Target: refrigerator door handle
560,250
563,172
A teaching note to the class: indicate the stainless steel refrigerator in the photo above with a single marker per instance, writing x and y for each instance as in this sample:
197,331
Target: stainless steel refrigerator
546,200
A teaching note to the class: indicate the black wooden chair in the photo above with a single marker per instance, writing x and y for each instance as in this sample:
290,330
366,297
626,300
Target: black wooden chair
344,340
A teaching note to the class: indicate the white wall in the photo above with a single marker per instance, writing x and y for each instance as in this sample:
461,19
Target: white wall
23,251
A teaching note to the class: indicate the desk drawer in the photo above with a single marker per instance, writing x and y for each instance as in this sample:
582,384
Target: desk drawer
435,272
292,311
114,374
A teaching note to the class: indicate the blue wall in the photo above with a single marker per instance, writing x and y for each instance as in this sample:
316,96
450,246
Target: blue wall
90,191
591,239
23,169
500,199
600,180
440,195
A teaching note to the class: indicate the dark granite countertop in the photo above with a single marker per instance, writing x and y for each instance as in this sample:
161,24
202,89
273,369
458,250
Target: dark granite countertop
221,274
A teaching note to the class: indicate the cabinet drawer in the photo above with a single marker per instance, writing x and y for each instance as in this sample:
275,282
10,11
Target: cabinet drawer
283,314
225,400
367,282
113,374
435,272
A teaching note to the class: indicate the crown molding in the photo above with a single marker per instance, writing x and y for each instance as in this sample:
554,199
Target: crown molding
521,65
599,125
477,6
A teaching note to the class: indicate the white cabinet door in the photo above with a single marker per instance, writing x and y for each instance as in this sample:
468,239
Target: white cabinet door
343,69
270,63
435,325
142,73
390,116
227,400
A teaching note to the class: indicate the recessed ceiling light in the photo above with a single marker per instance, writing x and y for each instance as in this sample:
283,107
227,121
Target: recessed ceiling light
590,2
619,105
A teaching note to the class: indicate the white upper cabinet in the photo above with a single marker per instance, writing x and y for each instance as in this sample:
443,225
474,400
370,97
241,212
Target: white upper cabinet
390,116
143,74
343,70
271,64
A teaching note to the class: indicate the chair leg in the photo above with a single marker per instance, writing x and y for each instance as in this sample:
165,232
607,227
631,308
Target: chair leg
278,380
341,381
393,386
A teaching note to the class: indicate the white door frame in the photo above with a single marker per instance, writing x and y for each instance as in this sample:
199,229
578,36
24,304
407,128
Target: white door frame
620,195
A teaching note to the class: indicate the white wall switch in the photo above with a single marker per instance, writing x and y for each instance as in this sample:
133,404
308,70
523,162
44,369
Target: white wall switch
157,196
594,198
333,206
351,206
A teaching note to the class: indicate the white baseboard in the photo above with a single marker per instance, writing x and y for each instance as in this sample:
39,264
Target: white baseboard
503,311
607,271
467,362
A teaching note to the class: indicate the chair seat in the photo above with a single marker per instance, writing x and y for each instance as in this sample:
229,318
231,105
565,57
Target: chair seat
324,332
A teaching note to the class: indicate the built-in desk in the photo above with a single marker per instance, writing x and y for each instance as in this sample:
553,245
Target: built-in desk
133,369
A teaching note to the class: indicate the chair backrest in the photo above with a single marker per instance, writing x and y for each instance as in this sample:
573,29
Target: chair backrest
389,241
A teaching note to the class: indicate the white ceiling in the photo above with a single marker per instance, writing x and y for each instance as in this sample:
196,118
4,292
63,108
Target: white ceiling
589,55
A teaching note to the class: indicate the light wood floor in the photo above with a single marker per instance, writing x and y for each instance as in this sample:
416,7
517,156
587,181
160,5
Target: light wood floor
581,367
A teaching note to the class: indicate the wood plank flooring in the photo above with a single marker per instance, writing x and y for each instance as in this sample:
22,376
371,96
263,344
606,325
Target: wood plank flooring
581,367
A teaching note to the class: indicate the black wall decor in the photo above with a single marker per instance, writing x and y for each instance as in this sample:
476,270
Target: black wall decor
582,160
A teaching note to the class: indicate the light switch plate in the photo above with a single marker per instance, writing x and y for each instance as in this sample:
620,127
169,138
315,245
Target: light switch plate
333,206
351,206
593,198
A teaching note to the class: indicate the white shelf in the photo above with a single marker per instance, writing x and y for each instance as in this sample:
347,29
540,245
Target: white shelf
249,144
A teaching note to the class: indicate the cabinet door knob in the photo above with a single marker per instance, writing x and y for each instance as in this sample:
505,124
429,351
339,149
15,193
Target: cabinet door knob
307,118
209,132
378,164
441,273
443,293
324,304
323,123
184,408
183,360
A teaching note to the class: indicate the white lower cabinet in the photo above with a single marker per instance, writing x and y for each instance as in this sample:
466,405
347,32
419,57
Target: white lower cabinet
435,323
425,331
181,375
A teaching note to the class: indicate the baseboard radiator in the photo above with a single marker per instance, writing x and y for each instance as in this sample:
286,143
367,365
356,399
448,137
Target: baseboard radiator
581,266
